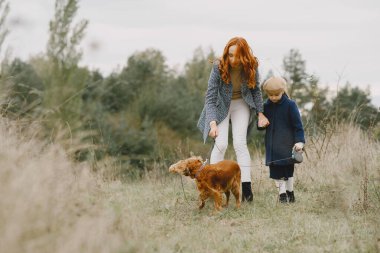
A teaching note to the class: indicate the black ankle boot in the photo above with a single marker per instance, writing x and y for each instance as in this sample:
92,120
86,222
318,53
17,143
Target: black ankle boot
247,192
291,197
283,198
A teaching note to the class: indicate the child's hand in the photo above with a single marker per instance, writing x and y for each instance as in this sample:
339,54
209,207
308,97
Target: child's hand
263,121
298,146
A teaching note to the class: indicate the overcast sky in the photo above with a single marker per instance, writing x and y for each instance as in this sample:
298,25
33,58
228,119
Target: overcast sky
339,39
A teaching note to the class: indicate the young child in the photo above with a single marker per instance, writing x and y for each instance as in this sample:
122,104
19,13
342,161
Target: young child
283,134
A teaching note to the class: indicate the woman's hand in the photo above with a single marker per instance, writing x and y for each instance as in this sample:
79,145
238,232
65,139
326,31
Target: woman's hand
214,132
263,121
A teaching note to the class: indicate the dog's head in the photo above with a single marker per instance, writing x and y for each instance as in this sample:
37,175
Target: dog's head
186,167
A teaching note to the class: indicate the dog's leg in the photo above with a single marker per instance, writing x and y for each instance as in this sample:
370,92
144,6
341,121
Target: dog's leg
227,198
218,201
236,192
202,199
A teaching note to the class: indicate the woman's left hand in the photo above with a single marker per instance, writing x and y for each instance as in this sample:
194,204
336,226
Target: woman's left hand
263,121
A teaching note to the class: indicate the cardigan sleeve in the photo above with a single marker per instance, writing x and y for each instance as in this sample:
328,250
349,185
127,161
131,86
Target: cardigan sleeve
212,95
256,94
299,135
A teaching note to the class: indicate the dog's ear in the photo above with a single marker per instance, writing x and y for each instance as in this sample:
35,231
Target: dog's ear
191,153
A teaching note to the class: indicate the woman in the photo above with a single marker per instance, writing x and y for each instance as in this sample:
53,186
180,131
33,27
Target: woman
233,94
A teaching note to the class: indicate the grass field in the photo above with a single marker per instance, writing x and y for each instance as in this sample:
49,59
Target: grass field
50,204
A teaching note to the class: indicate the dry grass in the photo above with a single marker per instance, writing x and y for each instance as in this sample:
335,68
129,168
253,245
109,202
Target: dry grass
50,204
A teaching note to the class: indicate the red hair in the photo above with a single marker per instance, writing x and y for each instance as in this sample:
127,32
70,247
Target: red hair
246,58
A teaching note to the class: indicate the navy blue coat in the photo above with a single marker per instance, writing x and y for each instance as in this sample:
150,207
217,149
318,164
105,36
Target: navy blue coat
284,131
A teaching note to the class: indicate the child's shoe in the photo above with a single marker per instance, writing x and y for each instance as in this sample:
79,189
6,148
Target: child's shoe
283,198
291,197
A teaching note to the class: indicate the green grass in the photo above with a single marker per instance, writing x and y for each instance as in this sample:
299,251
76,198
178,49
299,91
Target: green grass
51,204
166,222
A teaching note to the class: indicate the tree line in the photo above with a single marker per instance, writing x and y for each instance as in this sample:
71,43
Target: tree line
146,111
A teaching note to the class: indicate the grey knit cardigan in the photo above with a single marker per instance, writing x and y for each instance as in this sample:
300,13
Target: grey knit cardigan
218,100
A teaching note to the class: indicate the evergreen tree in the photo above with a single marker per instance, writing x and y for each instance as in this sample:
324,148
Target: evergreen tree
303,87
295,73
354,105
317,111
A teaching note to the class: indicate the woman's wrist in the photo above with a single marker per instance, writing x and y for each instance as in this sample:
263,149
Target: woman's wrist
212,123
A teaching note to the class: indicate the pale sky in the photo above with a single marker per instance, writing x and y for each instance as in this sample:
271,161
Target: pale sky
339,39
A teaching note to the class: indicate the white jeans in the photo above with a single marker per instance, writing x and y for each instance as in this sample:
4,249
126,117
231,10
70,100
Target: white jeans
239,114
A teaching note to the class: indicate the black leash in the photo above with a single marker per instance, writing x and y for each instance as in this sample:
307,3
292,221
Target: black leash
271,162
210,151
293,157
183,189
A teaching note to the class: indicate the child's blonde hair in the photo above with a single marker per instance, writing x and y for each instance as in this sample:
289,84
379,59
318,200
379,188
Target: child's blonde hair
274,84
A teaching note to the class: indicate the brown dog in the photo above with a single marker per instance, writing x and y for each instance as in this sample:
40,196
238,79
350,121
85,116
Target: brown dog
212,180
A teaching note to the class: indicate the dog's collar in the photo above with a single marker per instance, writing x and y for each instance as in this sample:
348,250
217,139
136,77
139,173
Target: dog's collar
201,168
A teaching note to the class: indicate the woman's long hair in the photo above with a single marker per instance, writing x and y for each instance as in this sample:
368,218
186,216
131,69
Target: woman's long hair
246,58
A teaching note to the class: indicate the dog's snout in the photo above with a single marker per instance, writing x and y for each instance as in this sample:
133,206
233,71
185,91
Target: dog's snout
173,168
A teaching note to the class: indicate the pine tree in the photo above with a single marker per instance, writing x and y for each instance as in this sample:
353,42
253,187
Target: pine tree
295,73
353,104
